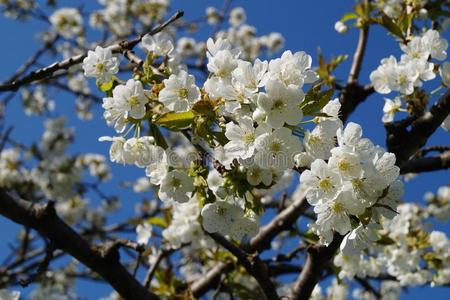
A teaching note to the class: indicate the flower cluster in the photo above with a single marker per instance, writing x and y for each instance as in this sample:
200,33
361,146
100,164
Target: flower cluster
185,227
394,8
115,15
406,251
67,22
262,100
7,295
413,68
352,190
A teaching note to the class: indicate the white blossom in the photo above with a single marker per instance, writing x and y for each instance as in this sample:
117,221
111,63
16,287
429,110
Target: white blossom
176,186
292,69
127,101
228,219
390,108
67,22
159,44
101,64
444,72
242,137
340,27
237,16
116,152
281,104
179,92
144,233
277,149
436,45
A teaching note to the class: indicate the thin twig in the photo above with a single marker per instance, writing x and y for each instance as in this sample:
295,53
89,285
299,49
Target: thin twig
48,71
252,264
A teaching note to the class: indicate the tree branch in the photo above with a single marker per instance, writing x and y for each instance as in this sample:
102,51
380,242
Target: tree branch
427,164
252,264
403,142
123,47
318,259
359,55
103,261
152,270
259,243
354,93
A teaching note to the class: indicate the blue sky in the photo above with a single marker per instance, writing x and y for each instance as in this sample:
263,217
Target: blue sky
305,24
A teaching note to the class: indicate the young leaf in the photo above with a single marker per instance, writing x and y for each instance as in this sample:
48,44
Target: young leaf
392,27
158,136
176,121
318,102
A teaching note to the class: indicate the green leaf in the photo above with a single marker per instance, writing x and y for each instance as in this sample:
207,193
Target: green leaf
336,270
338,60
359,9
315,102
176,121
385,240
392,27
365,217
310,237
349,16
157,221
105,87
220,137
158,136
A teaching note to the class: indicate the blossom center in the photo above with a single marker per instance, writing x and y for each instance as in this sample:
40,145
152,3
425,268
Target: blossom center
275,147
11,165
337,207
279,104
176,183
221,211
314,139
249,137
357,184
344,165
183,93
402,79
133,100
100,67
325,184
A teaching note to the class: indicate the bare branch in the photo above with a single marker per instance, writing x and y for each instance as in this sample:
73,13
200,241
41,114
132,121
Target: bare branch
427,164
406,142
211,279
151,272
354,93
260,242
281,222
103,261
252,264
359,55
318,259
122,47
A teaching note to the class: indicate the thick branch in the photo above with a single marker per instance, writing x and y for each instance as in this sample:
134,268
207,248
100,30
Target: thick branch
260,242
252,264
405,143
123,47
318,259
106,263
427,164
211,279
281,222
